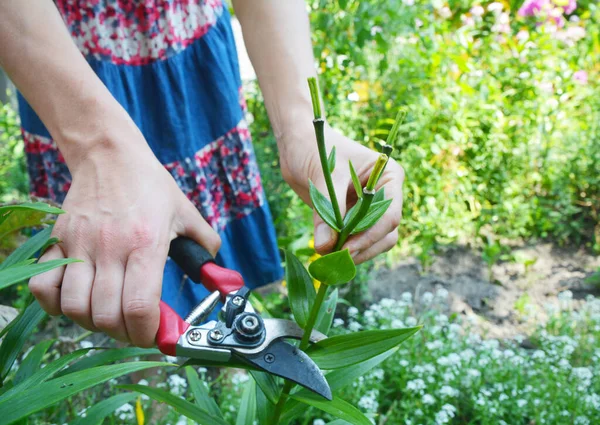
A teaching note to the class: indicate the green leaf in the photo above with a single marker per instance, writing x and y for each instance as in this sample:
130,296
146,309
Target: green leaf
325,317
263,406
343,4
355,181
322,206
376,211
46,373
98,412
28,249
333,269
336,407
201,396
32,362
267,384
31,206
106,356
338,422
57,389
301,291
182,406
337,379
379,196
18,273
15,338
232,363
345,350
331,160
247,411
352,212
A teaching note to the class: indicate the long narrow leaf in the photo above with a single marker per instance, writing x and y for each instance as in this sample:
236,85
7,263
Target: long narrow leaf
15,274
182,406
57,389
97,413
28,249
264,407
267,384
322,206
326,313
106,356
336,407
345,350
331,160
32,361
32,206
247,411
301,290
376,211
355,181
201,396
15,338
45,373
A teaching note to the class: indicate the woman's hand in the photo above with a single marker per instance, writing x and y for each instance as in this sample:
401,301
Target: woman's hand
300,162
122,211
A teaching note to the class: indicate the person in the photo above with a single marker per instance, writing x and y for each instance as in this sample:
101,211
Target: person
133,119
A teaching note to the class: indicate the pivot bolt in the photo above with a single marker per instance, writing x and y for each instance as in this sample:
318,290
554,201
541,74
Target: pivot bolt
216,335
237,300
269,358
195,335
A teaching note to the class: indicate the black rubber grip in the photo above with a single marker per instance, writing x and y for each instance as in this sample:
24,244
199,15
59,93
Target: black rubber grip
190,256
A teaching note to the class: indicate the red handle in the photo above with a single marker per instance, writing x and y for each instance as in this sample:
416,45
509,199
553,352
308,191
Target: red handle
217,278
171,327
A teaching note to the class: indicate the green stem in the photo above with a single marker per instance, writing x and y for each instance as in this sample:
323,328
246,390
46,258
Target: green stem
319,125
367,199
310,324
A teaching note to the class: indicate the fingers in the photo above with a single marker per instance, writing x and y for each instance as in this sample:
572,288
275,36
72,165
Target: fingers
193,225
383,245
325,236
76,291
107,295
141,294
46,286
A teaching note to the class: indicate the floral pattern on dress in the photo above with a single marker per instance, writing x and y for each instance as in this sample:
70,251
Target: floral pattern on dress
137,32
222,179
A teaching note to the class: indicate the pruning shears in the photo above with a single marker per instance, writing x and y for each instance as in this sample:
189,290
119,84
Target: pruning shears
240,334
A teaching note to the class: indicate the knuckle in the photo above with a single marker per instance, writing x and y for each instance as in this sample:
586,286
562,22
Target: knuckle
38,287
395,220
106,322
138,310
142,236
74,309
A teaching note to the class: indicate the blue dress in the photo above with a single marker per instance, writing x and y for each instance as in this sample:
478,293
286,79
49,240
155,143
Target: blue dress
173,66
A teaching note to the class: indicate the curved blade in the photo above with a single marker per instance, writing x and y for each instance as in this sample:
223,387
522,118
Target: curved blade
283,359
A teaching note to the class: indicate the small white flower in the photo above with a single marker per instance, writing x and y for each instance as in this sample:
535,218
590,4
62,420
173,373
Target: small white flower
354,326
352,312
409,2
495,7
521,403
125,412
86,344
182,421
477,11
404,363
411,321
337,322
353,97
415,385
427,298
448,391
428,399
318,422
407,297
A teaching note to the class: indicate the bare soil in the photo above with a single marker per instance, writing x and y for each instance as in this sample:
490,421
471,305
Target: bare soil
515,292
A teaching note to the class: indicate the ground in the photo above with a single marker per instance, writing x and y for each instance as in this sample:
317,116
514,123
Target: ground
504,304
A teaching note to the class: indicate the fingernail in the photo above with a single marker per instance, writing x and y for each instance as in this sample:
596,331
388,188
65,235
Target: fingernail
323,234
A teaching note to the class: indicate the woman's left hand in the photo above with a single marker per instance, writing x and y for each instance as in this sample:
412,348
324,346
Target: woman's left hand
300,162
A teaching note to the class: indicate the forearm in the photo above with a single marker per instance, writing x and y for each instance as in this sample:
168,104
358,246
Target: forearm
277,36
40,57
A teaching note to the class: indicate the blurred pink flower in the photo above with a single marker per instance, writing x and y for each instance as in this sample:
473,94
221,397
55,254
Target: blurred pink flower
534,7
581,77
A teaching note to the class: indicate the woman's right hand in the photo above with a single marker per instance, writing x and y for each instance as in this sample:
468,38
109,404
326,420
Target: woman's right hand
122,211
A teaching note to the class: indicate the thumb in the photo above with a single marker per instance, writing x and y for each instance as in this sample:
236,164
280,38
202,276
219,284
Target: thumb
325,236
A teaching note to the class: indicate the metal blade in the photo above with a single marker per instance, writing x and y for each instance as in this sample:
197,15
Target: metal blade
289,362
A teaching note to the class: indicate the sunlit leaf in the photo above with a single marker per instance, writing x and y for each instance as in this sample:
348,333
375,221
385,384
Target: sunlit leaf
15,338
379,196
105,356
247,410
331,160
353,212
201,396
99,411
345,350
301,291
322,206
333,269
336,407
183,407
57,389
267,384
376,211
325,317
355,181
18,273
28,249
